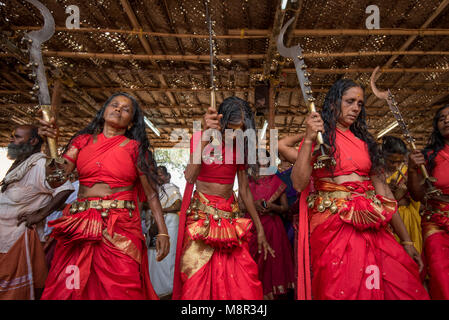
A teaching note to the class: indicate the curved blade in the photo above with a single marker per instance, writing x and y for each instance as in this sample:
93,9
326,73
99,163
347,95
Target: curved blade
377,92
283,50
47,31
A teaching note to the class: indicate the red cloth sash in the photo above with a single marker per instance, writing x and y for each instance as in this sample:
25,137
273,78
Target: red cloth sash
108,160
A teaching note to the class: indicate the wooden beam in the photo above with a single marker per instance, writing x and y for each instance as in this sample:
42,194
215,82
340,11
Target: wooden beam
272,50
234,57
410,40
241,34
136,25
271,109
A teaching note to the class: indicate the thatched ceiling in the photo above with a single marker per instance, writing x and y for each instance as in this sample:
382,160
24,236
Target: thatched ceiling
158,51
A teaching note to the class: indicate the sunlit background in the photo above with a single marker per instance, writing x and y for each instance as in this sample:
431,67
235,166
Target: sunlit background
5,163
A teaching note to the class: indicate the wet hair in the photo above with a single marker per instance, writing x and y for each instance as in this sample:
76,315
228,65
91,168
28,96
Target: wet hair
436,141
391,145
330,113
145,159
233,109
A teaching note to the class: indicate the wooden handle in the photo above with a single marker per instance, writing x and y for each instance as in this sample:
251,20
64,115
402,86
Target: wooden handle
319,137
47,113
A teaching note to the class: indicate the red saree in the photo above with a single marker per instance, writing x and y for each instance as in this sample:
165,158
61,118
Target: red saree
212,258
353,254
435,227
98,257
277,274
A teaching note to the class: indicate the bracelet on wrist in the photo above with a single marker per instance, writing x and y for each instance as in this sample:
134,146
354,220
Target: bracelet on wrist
410,243
162,234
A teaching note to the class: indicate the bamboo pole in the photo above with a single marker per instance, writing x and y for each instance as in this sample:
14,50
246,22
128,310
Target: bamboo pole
257,33
205,58
235,89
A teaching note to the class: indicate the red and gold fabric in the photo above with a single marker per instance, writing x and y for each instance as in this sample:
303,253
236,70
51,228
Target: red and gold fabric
354,254
101,252
215,261
107,250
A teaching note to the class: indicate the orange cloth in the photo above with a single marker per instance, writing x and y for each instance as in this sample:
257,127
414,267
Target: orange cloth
18,277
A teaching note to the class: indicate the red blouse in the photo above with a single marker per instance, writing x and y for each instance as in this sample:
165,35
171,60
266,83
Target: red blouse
440,172
212,171
351,156
106,160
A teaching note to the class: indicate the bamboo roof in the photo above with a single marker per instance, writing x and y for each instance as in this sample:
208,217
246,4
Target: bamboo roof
158,50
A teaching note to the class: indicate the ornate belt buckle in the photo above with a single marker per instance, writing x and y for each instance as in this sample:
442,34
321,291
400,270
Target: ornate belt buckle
74,208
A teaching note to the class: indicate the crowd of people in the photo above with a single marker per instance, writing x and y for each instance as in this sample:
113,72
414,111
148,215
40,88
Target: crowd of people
114,227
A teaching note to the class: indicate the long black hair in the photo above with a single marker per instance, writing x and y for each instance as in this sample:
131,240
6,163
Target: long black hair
233,109
391,145
436,141
145,159
330,113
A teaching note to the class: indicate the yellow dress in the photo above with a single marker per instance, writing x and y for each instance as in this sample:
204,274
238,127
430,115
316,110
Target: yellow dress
410,213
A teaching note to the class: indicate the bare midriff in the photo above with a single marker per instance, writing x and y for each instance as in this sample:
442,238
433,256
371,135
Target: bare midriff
346,178
100,190
215,189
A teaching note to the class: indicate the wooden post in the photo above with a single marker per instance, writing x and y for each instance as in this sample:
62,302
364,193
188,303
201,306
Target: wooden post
271,111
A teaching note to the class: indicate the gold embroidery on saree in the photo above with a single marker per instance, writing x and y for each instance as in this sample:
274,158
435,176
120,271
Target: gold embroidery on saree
195,256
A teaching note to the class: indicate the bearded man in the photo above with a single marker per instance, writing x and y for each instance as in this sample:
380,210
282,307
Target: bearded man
26,199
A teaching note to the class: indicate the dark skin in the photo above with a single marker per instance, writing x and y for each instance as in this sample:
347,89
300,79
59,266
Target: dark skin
395,162
211,120
351,105
163,178
118,116
416,159
272,206
19,136
287,147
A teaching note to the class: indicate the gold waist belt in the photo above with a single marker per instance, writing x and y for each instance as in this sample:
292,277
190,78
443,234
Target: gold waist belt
216,214
79,206
326,199
428,214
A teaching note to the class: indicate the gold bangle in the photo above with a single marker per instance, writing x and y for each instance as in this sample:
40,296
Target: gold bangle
404,243
162,234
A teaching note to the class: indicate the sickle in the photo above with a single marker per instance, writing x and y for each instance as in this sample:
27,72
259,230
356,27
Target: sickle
47,31
380,94
291,52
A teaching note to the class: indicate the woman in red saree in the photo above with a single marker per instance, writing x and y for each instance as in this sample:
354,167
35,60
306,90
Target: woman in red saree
212,257
276,273
435,220
101,251
354,255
